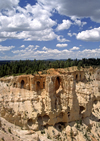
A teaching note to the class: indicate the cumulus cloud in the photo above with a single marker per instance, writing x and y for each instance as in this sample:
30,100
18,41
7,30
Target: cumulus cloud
6,48
79,23
35,22
30,46
61,45
65,25
22,46
89,35
77,8
71,34
8,4
75,48
46,53
44,48
37,46
21,24
44,35
61,39
37,18
28,50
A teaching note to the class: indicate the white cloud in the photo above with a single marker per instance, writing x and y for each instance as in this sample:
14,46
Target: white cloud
37,46
30,49
77,8
44,48
74,34
17,51
65,25
22,46
71,34
61,45
6,48
75,48
47,53
37,18
79,23
61,39
30,46
21,25
42,35
34,22
8,4
89,35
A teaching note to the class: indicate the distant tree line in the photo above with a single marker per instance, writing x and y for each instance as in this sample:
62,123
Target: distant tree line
31,67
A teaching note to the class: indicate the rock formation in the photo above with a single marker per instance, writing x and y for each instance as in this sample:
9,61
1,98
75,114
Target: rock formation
38,101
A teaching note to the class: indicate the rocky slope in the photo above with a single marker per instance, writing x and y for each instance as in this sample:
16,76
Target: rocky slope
63,106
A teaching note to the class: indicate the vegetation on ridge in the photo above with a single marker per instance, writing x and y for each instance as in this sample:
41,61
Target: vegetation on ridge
28,66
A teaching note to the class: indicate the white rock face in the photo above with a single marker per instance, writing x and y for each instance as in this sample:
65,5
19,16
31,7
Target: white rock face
36,102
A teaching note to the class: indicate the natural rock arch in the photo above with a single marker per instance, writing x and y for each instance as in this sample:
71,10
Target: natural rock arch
58,80
81,109
14,84
76,76
68,113
80,76
43,85
38,85
30,122
22,84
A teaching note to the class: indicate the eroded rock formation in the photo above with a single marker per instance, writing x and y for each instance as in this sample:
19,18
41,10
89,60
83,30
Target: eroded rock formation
35,102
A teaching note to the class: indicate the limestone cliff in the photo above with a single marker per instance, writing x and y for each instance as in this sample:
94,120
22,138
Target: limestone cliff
36,102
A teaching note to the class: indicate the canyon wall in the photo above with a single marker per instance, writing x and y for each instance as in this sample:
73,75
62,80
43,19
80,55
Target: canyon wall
38,101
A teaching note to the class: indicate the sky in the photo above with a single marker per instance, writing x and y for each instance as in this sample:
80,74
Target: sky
49,29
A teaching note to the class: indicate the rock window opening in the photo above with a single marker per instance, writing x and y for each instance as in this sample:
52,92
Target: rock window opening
43,85
38,85
14,85
45,118
95,102
80,76
39,119
58,79
57,83
68,108
59,126
68,114
22,84
81,109
30,122
76,76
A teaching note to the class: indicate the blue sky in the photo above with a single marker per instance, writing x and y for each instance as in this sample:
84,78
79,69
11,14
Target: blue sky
49,29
